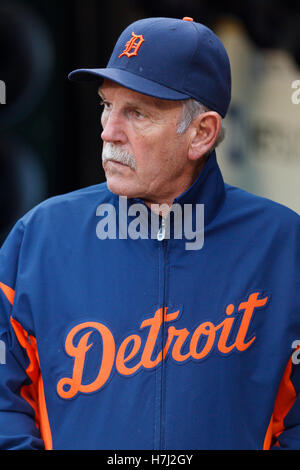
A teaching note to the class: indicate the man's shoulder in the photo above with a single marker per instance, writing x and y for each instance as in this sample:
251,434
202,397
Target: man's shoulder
79,201
244,203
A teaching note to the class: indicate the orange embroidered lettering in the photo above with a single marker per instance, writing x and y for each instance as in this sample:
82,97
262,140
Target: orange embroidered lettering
74,384
198,345
205,329
226,326
249,307
154,323
181,338
132,46
121,359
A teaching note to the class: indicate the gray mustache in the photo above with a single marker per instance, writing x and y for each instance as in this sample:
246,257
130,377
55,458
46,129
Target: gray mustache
117,154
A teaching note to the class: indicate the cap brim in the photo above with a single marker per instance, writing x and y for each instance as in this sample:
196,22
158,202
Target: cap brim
129,80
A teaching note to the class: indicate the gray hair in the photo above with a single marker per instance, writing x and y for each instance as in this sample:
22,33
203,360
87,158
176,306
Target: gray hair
190,109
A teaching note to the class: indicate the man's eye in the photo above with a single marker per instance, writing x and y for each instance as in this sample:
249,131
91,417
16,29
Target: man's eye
136,113
104,104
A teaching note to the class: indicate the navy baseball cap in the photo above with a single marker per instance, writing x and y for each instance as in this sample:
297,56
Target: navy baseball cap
171,59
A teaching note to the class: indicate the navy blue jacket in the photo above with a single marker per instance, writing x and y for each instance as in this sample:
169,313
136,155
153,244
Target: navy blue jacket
143,344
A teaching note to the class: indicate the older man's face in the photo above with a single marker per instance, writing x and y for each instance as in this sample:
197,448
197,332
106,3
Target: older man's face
143,156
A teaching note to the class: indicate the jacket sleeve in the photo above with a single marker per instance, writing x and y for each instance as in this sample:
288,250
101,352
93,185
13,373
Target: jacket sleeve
19,367
285,421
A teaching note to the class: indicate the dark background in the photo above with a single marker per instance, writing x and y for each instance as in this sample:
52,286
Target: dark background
49,127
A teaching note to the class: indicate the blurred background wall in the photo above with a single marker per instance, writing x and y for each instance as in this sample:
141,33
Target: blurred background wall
50,128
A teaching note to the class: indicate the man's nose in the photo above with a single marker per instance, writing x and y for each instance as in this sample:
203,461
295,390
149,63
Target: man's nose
113,129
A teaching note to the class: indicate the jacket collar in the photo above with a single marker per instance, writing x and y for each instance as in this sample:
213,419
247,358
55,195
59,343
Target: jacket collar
208,189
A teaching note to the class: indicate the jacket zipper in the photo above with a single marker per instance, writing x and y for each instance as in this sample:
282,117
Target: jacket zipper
162,231
161,238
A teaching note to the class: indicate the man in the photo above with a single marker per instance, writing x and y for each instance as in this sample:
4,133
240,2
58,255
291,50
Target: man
124,332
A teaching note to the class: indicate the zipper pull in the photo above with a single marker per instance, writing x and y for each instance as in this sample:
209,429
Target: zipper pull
162,231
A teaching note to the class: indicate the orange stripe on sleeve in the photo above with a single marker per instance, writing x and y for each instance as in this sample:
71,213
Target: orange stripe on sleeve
285,399
8,292
269,435
34,393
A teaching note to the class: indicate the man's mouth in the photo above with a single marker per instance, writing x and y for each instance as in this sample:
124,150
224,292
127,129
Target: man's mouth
111,162
116,162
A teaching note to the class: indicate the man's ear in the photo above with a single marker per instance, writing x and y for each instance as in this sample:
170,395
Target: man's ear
204,131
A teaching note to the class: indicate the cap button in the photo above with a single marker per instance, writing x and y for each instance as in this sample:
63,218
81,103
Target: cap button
187,18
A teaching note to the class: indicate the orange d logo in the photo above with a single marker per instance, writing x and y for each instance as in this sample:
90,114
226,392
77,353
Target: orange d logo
133,45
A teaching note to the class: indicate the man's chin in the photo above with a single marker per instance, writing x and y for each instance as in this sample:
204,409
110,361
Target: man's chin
118,187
